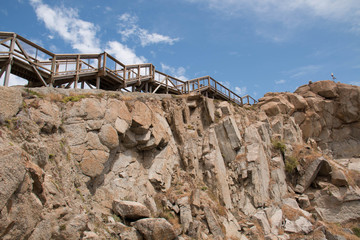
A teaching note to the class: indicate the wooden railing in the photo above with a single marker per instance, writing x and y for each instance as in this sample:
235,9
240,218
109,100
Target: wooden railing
54,69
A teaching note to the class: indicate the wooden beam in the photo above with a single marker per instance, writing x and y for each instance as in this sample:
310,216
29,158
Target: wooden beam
31,63
5,40
90,86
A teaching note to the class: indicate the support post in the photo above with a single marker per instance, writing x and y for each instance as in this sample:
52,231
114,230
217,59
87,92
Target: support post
53,69
167,85
77,71
98,82
8,68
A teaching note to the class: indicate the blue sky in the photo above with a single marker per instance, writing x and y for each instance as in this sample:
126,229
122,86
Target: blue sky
251,46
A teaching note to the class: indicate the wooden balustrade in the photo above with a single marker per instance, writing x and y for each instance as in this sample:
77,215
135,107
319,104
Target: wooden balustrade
44,68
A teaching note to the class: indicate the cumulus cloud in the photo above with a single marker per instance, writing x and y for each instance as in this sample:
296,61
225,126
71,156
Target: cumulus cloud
66,22
128,27
82,35
175,72
123,53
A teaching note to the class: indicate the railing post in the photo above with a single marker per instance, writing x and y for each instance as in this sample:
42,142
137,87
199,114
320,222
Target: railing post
77,71
139,73
167,84
53,69
8,68
104,63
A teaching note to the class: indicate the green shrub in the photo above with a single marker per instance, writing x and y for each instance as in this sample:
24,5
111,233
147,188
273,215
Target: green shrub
290,164
279,145
356,231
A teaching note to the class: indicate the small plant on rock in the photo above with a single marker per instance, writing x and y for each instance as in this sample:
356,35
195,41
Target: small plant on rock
75,98
32,93
290,164
279,145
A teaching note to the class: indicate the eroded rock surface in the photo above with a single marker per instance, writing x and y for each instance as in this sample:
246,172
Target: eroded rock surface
109,165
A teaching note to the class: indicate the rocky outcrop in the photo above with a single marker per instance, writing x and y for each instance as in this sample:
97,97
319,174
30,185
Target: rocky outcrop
326,111
92,164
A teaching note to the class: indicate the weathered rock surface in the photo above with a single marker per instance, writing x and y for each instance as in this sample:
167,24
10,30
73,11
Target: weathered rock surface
326,111
155,228
130,210
10,102
202,168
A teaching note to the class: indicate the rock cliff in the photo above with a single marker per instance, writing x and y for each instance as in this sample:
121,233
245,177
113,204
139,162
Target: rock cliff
92,164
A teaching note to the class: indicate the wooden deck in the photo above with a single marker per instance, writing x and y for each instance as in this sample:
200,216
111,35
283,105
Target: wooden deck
41,67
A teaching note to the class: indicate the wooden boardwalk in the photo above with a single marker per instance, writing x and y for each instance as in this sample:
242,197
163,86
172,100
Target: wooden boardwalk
41,67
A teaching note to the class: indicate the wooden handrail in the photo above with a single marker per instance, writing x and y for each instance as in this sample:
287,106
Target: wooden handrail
102,66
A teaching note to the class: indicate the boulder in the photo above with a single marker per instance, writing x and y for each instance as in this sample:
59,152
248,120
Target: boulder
108,136
298,101
93,108
304,201
233,133
130,210
338,178
117,109
121,126
301,225
93,161
141,118
310,174
270,108
155,229
326,89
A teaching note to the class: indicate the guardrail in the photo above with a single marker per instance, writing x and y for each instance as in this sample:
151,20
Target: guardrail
34,62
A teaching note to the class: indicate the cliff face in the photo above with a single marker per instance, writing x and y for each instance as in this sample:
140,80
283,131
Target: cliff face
107,165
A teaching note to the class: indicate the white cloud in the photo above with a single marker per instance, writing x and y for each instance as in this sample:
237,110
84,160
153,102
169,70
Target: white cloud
240,91
79,33
66,22
129,27
290,13
282,81
175,72
123,53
